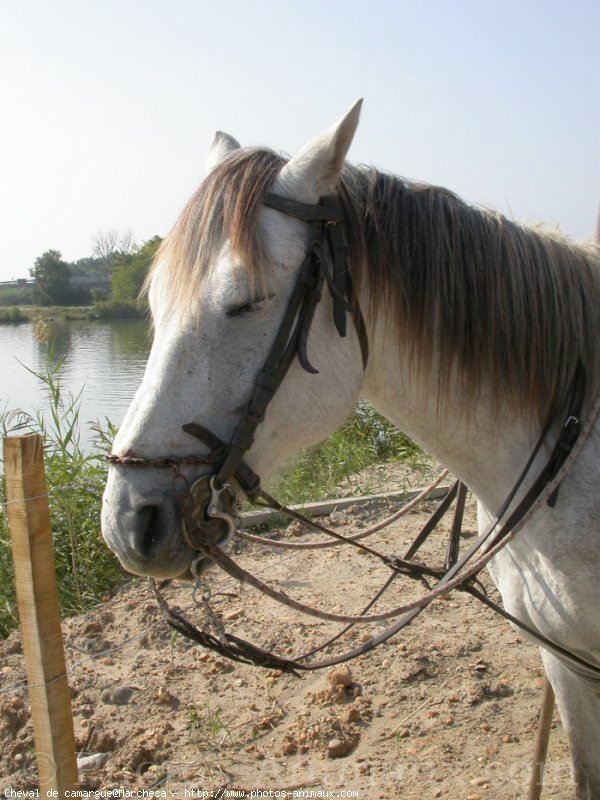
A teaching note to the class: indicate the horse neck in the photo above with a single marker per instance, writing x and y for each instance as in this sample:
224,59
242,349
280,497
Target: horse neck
483,444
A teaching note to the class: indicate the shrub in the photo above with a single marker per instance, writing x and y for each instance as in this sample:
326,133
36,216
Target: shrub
16,296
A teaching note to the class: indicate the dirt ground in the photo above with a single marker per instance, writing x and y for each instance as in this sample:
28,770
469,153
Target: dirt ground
447,709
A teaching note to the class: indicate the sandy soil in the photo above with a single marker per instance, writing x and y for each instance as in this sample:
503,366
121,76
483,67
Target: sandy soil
448,709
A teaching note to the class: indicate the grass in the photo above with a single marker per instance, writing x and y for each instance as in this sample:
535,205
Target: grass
51,312
118,309
103,309
32,313
206,726
12,315
87,571
16,296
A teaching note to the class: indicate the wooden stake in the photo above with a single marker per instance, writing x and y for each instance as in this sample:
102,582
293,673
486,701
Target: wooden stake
37,599
541,744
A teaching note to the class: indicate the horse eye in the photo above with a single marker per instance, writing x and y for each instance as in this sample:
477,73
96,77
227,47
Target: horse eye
238,311
252,307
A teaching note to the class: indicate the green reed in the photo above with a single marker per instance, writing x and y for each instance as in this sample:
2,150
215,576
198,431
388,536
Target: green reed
86,569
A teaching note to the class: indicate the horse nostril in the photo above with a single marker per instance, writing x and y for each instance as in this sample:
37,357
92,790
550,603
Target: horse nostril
151,529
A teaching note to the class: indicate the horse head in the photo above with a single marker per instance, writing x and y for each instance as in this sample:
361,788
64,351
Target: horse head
220,290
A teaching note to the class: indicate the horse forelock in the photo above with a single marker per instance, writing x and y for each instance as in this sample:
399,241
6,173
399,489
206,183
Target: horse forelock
225,207
469,291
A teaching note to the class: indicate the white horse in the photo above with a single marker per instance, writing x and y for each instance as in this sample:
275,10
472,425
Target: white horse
475,327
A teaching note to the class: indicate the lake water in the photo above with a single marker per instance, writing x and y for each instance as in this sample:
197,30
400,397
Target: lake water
104,360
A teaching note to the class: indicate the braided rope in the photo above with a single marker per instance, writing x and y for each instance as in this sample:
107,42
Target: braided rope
168,461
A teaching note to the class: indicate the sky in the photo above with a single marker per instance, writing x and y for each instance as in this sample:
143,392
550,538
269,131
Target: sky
107,108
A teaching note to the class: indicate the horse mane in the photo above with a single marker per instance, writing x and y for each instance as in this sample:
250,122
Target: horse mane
480,296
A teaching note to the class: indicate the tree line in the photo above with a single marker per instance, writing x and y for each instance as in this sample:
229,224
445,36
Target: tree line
115,271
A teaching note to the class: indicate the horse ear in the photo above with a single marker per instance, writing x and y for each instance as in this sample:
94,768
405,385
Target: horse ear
222,145
317,166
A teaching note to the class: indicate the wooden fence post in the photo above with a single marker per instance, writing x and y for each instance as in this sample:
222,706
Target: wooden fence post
541,742
37,599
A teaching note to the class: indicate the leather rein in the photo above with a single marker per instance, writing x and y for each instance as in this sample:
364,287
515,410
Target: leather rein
210,513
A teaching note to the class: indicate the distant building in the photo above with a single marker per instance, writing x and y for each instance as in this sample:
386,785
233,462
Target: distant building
90,282
18,283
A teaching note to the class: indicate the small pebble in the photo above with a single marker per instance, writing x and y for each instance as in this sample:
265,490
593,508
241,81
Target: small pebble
336,748
341,676
351,715
91,762
94,644
119,696
165,698
91,628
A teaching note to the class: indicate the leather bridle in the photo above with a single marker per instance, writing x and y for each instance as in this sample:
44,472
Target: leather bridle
209,508
326,262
